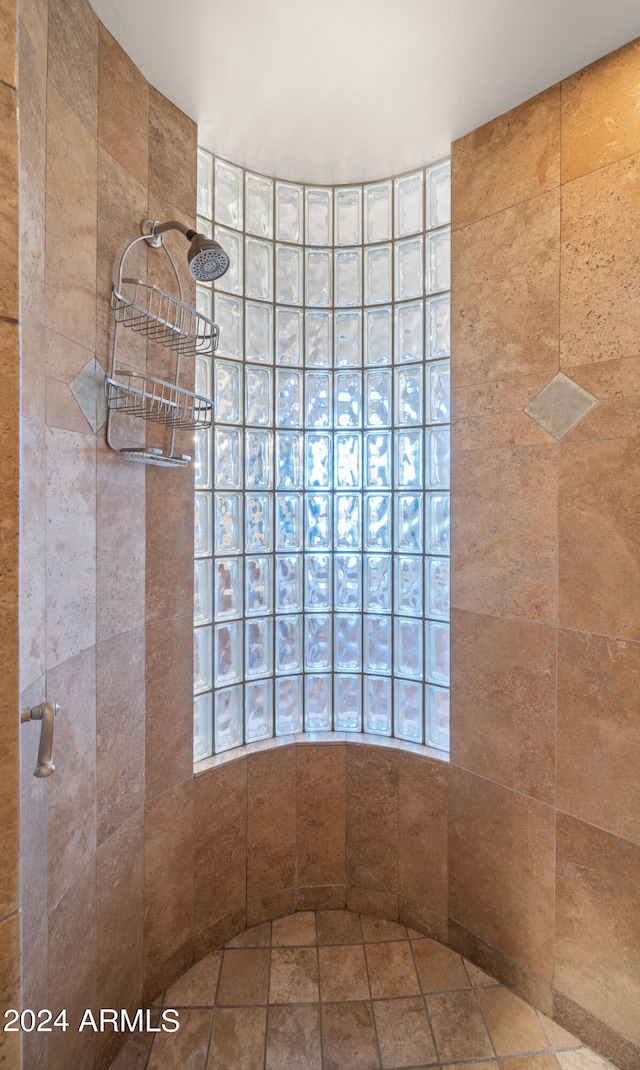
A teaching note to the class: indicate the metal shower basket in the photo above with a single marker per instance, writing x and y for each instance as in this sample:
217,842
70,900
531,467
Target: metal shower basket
174,325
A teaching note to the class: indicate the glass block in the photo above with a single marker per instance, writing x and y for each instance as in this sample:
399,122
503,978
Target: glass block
438,590
202,727
348,533
408,647
258,647
202,664
348,401
377,212
318,461
318,399
227,658
259,333
409,197
289,526
258,270
228,719
288,705
377,705
204,377
408,269
318,521
289,583
288,274
202,526
347,460
289,472
348,214
288,644
409,459
204,302
317,583
408,586
377,399
228,458
228,316
439,195
347,716
258,711
204,226
257,528
408,523
377,275
409,332
438,261
228,194
318,339
202,459
317,711
228,589
288,212
288,399
437,529
205,183
408,395
438,457
228,523
439,375
348,336
348,641
348,581
437,652
318,277
227,392
348,268
259,205
202,608
231,281
258,396
258,599
258,452
377,459
377,583
439,326
377,522
409,710
438,718
377,644
317,642
289,337
377,331
319,211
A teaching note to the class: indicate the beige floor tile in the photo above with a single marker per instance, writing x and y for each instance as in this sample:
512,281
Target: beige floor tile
338,927
349,1037
545,1061
244,977
294,975
197,987
238,1039
558,1036
582,1059
343,973
295,930
293,1038
186,1047
256,936
403,1032
457,1023
376,929
478,978
513,1025
439,968
391,970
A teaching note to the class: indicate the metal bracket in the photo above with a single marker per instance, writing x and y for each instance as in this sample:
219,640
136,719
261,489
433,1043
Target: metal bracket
46,713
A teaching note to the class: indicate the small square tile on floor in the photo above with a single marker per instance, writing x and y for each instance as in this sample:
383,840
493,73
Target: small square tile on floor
186,1047
293,1037
343,973
439,969
197,987
244,977
338,927
403,1032
349,1037
391,970
238,1039
458,1027
294,975
559,1038
256,936
513,1025
478,978
377,929
531,1062
582,1059
296,930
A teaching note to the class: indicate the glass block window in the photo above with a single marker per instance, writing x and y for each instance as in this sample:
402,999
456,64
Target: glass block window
322,490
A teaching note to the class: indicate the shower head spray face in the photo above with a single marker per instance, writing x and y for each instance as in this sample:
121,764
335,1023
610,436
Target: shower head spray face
206,257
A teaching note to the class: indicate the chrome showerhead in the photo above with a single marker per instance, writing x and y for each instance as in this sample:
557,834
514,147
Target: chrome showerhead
206,258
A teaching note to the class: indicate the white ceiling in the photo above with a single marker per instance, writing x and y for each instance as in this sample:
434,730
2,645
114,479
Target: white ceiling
352,90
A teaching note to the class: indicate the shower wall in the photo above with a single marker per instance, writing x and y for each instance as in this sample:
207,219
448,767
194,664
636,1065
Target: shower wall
544,841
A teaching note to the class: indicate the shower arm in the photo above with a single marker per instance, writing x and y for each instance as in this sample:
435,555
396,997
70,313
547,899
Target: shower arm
46,713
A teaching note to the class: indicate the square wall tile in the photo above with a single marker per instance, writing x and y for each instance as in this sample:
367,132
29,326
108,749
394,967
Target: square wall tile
372,819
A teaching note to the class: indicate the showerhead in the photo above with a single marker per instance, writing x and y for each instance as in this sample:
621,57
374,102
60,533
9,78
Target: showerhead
206,258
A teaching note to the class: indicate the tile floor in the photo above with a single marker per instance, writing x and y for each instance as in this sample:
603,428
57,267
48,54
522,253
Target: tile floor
334,990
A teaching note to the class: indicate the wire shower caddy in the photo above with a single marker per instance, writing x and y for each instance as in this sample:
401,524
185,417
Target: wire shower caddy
173,325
